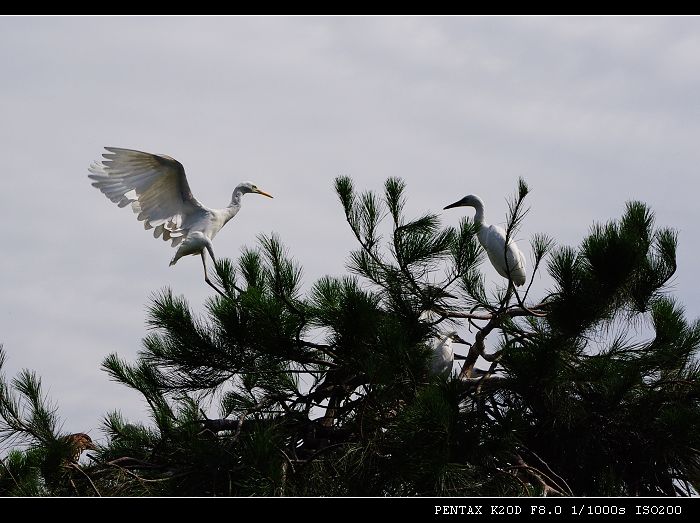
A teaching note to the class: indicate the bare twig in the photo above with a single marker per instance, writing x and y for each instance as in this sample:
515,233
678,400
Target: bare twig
74,487
512,312
137,463
539,476
561,483
80,469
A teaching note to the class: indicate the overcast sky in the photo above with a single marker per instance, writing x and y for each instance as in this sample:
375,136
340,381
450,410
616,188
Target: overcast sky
592,112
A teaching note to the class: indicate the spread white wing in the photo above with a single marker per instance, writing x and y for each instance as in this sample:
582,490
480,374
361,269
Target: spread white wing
154,185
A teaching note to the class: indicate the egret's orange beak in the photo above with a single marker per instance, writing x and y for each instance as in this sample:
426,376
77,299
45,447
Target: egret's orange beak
264,193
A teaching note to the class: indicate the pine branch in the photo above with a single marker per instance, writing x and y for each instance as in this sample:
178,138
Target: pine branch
9,473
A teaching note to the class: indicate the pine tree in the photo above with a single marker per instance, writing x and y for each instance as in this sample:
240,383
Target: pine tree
45,462
590,390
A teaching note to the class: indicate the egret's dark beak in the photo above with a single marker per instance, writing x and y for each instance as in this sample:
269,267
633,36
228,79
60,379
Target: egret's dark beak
456,204
264,193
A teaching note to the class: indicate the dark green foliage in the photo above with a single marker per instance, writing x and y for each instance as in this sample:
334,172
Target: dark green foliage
44,461
590,390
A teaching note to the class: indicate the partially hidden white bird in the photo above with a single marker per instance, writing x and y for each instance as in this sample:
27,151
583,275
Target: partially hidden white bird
493,239
443,356
156,187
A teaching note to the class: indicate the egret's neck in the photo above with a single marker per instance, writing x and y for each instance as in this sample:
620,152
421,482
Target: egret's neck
234,206
479,206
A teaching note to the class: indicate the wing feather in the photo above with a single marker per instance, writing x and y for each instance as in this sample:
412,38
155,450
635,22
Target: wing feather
493,239
154,185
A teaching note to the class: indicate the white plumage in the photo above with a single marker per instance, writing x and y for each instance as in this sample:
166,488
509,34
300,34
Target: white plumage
442,357
156,188
493,239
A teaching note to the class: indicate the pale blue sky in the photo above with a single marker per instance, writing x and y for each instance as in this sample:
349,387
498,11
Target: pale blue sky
591,112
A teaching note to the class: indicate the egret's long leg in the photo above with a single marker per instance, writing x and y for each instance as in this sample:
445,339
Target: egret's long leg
211,253
509,292
206,276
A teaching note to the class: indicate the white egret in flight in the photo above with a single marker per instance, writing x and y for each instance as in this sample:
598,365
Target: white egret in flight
156,187
493,239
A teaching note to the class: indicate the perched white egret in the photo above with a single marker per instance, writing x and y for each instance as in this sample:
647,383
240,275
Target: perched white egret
441,347
156,187
493,239
443,355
